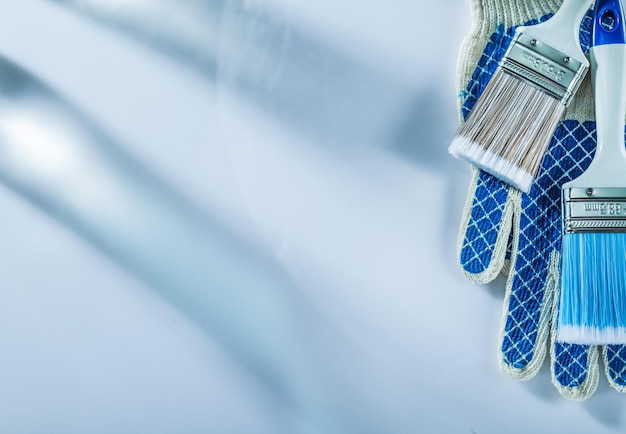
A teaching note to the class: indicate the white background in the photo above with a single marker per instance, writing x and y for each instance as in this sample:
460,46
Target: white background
321,137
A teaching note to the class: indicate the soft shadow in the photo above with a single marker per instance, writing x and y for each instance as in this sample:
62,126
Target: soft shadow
495,288
185,31
324,93
541,385
231,289
606,406
422,137
458,177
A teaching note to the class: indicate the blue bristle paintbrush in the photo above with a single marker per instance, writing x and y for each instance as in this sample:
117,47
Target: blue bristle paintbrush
593,279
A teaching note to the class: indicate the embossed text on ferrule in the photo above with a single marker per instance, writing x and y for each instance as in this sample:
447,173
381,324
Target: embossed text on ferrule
546,68
543,67
604,208
597,209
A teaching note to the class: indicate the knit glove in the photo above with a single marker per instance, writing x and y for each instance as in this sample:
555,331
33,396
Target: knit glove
504,230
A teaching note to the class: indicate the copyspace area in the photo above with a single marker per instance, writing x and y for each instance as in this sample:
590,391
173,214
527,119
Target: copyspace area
308,135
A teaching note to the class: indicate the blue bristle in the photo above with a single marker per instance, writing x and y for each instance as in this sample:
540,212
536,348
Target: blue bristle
593,289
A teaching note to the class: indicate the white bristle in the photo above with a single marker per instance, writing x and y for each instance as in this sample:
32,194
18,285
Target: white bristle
491,163
508,130
591,335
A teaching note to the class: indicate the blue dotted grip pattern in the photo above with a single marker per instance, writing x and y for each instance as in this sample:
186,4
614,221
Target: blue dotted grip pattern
569,153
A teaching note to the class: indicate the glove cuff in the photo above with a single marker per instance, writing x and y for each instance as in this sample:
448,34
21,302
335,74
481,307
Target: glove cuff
487,15
491,13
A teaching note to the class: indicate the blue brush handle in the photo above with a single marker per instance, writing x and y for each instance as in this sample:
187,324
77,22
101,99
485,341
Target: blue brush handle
608,60
608,68
609,23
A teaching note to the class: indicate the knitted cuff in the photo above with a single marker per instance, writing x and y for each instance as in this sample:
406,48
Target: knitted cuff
487,15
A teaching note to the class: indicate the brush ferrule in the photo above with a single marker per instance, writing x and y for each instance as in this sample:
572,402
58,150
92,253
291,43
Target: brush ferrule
543,67
594,210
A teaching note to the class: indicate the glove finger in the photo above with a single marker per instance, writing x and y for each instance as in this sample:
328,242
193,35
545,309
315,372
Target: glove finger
575,370
485,228
614,357
532,286
527,303
486,223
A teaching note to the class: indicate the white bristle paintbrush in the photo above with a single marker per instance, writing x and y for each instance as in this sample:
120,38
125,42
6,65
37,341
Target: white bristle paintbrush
510,126
593,276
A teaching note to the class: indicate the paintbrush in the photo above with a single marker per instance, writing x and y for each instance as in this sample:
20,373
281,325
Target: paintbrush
510,126
593,279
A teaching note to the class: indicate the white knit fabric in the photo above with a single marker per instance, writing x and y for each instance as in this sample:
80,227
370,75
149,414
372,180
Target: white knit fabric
544,330
498,264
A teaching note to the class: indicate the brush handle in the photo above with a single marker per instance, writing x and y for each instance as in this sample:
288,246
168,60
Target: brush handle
608,66
562,30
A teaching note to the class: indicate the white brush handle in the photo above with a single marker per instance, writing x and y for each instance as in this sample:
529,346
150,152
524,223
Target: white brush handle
608,168
562,30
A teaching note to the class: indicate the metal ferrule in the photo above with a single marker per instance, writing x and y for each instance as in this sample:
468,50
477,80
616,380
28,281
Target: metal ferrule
543,67
594,210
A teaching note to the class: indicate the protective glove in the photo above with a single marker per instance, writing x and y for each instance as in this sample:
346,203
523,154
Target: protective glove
501,224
